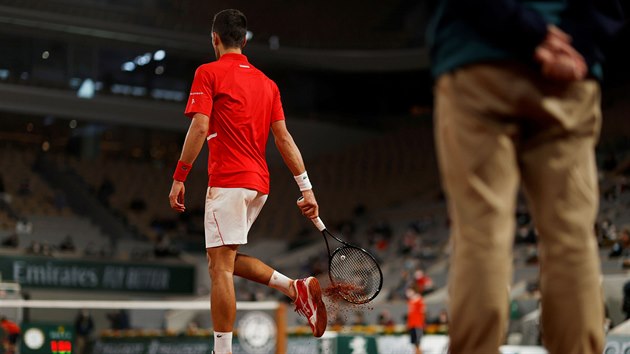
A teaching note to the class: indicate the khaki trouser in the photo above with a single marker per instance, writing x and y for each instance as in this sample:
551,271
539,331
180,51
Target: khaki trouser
498,125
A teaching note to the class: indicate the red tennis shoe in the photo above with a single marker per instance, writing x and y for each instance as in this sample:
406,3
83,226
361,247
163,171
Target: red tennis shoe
308,303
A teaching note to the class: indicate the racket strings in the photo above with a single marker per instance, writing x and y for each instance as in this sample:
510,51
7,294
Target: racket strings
358,272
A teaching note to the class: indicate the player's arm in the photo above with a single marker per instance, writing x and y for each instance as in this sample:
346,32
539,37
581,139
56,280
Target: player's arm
293,159
195,138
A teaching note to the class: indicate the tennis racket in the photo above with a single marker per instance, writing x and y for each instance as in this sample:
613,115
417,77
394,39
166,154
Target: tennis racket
351,269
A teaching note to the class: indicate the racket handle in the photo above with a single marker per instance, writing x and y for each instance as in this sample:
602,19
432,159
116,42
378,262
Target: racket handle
319,224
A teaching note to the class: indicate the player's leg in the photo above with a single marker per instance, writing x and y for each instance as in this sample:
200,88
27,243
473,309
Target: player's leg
229,214
477,157
252,268
416,337
222,297
224,224
560,176
305,293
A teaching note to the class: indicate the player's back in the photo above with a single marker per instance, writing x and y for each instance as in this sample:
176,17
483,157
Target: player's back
244,104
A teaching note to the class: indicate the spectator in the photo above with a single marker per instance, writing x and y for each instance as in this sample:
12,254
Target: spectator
422,224
60,201
67,244
385,319
11,335
34,248
164,248
532,289
531,255
400,288
610,162
608,232
620,247
47,249
525,234
423,282
347,228
337,319
359,319
24,189
443,322
23,226
118,320
625,307
608,323
522,215
440,323
138,205
83,326
91,250
11,241
105,191
383,228
410,242
192,329
359,210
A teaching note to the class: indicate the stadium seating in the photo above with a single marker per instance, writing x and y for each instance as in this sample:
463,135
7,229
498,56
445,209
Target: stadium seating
29,192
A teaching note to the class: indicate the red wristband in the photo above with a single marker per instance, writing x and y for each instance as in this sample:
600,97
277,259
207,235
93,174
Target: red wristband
181,171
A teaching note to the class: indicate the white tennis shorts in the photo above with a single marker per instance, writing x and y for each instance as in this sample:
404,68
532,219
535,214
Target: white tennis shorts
230,213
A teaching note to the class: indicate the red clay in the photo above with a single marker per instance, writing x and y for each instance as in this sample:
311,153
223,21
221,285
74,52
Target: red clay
340,291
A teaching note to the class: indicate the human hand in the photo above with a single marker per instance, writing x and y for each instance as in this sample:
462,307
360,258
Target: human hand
176,196
308,204
558,58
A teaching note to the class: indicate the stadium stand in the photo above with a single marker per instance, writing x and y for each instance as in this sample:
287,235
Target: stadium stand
31,195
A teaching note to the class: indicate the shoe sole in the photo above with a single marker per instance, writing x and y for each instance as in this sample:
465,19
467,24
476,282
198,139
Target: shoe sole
315,291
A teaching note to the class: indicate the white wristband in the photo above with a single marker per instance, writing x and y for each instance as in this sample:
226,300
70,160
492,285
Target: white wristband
303,182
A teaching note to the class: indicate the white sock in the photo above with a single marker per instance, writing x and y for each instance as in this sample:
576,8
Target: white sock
281,282
222,342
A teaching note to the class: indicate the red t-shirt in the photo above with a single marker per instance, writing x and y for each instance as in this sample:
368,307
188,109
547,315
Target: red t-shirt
415,312
242,103
423,283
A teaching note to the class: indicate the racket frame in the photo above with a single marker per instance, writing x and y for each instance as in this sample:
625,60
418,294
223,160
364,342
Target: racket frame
325,234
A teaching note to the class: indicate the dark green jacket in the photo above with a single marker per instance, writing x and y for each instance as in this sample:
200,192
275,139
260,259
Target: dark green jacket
464,32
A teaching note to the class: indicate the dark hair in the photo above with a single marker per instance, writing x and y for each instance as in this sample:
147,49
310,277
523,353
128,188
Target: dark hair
231,26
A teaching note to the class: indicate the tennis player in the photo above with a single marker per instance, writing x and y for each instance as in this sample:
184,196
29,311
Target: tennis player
233,106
